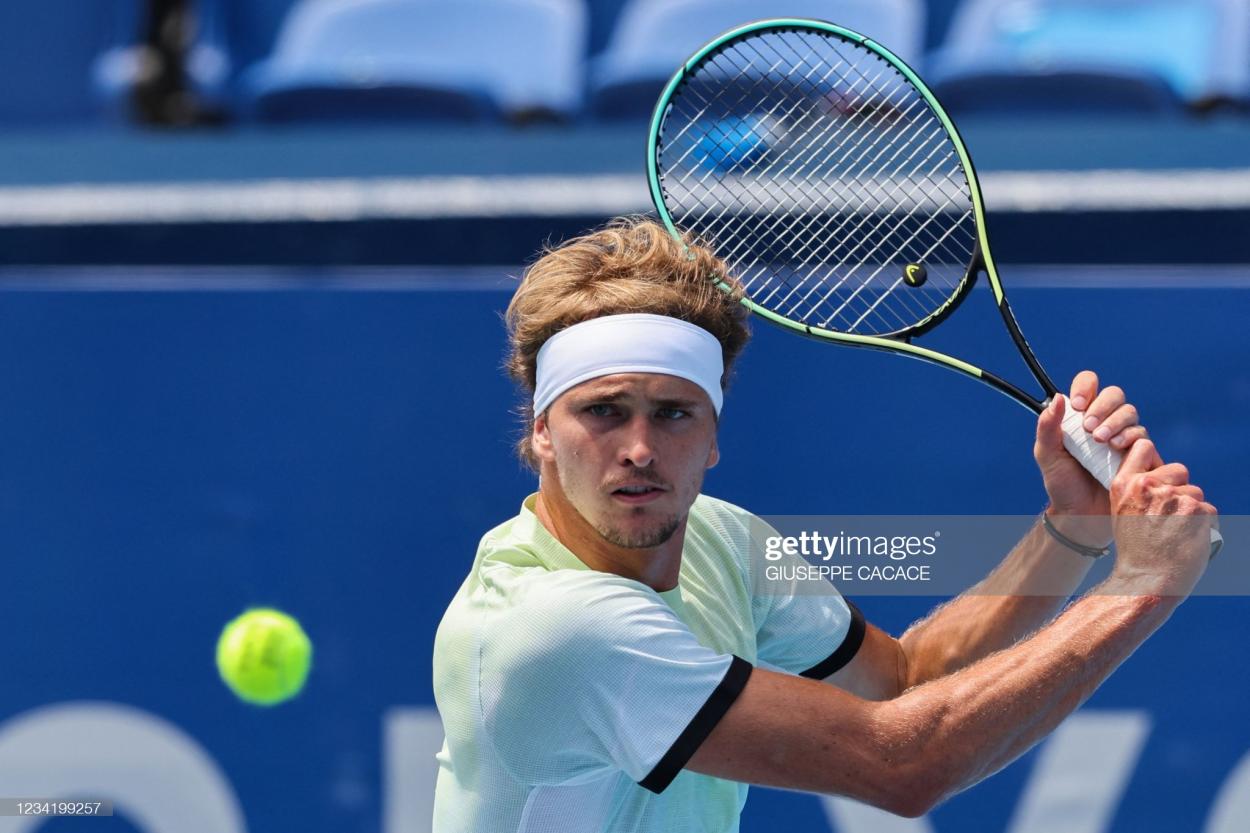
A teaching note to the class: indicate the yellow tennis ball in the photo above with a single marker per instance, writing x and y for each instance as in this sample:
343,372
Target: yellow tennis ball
264,656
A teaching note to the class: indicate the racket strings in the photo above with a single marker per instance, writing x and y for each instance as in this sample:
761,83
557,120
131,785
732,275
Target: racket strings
803,278
742,186
914,235
819,174
865,237
817,197
859,237
873,82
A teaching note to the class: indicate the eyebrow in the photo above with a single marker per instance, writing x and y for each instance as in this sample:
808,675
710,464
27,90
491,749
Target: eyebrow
617,394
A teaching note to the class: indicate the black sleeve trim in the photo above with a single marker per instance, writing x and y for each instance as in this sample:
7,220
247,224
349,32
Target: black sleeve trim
846,651
692,737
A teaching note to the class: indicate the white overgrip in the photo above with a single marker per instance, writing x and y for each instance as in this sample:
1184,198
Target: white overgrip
1100,459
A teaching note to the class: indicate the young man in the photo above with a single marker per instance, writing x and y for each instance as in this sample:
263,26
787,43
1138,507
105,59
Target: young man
608,664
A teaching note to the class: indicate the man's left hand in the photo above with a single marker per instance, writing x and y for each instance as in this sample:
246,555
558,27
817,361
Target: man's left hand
1111,419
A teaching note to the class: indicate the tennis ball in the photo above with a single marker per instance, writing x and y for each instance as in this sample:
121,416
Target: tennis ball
264,656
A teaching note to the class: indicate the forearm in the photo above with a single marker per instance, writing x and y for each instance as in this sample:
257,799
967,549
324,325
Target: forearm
1021,595
970,724
908,753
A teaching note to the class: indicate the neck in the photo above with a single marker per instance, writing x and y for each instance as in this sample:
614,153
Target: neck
657,567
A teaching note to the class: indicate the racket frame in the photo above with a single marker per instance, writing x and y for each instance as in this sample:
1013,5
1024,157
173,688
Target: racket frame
982,260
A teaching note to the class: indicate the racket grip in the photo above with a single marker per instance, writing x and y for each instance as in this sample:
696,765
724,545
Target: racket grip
1101,460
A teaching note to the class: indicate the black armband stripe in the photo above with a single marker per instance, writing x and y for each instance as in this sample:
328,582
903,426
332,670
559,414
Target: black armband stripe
846,651
692,737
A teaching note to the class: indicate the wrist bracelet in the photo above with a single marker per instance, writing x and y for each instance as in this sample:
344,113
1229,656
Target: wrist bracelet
1088,552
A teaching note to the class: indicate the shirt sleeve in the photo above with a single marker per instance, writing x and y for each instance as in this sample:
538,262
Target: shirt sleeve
591,673
804,627
812,636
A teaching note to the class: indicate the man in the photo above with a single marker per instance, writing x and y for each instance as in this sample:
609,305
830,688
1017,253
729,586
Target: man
609,665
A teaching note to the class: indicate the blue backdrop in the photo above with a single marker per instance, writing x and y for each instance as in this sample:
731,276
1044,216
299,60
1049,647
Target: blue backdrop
180,446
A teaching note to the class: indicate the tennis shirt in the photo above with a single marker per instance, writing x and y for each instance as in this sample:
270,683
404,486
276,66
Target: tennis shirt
572,699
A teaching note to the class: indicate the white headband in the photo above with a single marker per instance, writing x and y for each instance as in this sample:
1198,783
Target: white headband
636,343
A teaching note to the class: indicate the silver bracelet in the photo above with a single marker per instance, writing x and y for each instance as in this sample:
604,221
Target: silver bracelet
1088,552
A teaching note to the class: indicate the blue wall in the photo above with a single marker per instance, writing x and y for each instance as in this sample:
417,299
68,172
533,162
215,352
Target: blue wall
173,456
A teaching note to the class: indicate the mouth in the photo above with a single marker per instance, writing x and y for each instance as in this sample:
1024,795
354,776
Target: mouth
635,494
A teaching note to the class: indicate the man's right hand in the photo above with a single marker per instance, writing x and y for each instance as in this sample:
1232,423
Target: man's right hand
1162,525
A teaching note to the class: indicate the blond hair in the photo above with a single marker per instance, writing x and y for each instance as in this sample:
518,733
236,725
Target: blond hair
633,265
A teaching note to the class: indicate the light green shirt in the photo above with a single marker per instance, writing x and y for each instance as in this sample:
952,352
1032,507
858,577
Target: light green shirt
572,699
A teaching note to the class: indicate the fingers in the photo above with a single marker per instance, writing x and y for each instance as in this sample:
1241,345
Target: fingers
1141,458
1177,500
1084,389
1105,403
1128,436
1172,480
1108,404
1154,487
1191,491
1108,416
1050,427
1103,428
1173,474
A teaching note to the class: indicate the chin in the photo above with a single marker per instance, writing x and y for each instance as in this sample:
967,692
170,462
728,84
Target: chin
641,536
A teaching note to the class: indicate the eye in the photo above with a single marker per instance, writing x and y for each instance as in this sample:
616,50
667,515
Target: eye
672,413
601,409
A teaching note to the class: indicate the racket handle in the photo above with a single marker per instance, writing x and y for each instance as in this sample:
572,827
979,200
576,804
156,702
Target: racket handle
1101,460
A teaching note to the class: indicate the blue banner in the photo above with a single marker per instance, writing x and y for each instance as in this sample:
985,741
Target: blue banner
175,454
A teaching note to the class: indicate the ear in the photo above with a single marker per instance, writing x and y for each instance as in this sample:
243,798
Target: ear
540,439
713,454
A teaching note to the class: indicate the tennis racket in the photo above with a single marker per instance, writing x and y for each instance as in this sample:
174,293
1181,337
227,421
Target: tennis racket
823,171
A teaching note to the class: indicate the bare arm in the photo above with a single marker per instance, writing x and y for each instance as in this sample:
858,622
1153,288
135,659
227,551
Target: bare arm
1021,595
1033,582
908,753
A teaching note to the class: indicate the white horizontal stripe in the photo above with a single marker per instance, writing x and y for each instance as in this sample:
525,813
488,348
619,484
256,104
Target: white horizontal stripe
321,200
1117,190
369,279
456,197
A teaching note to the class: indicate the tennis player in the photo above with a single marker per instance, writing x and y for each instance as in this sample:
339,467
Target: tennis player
608,664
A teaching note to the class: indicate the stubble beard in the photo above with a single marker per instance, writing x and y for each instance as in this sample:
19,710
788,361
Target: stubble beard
641,539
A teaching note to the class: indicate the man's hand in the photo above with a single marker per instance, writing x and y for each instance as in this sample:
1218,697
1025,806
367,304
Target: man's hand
1162,525
1072,490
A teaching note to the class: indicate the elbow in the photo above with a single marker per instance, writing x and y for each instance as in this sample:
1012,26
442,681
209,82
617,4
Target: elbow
916,803
914,797
911,789
916,769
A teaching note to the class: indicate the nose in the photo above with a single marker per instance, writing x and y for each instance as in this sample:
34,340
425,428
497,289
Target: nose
637,446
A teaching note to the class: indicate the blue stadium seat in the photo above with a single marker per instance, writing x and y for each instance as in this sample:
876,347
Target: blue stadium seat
1089,56
1078,90
392,60
603,17
241,32
653,37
